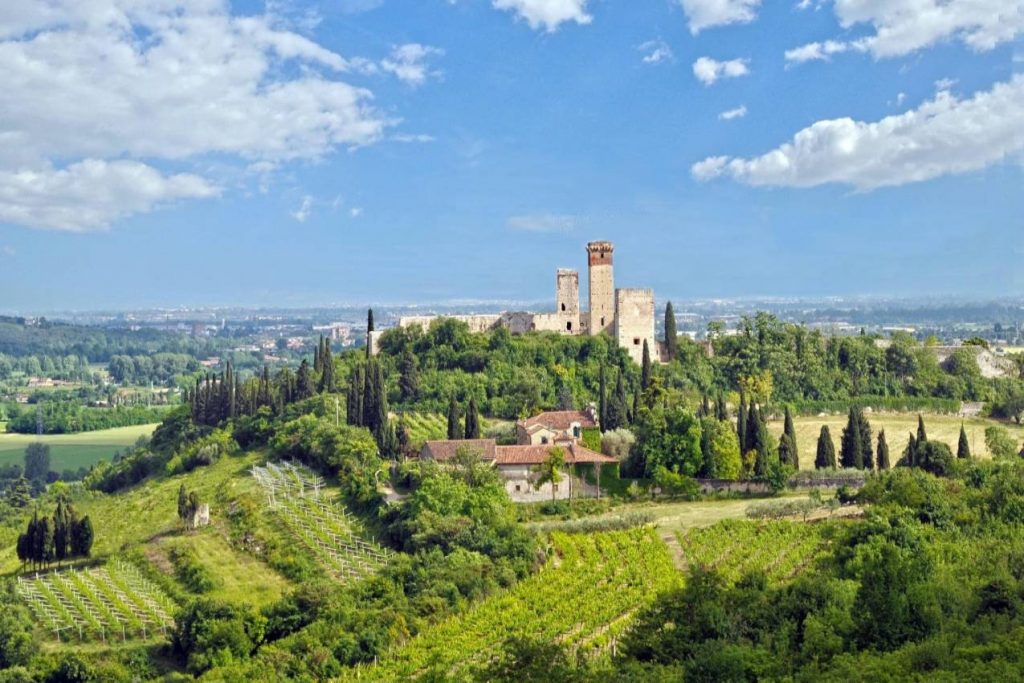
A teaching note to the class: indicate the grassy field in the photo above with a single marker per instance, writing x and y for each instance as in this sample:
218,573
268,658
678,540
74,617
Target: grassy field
945,428
145,517
71,451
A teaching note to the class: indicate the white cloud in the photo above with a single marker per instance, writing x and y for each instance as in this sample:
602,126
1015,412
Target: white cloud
820,51
900,98
148,81
945,83
657,51
413,137
905,26
704,14
409,63
543,222
708,70
305,209
945,135
737,113
91,194
355,211
547,14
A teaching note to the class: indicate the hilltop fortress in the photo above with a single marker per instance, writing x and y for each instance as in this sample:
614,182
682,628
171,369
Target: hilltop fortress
625,314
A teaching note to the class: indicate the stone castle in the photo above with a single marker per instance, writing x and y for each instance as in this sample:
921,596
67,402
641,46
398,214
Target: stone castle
625,314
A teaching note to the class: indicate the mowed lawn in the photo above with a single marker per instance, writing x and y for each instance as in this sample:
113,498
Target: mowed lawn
898,426
71,451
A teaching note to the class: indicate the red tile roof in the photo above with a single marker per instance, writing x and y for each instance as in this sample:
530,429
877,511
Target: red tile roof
445,450
560,419
535,455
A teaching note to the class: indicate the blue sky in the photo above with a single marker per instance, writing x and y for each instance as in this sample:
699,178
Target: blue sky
168,152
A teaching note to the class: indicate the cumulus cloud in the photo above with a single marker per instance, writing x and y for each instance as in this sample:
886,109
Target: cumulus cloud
708,70
702,14
547,14
822,51
83,88
737,113
91,194
409,63
905,26
543,222
656,51
945,135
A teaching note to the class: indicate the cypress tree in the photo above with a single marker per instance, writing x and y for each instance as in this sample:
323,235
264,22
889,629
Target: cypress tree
760,443
865,440
317,362
380,419
472,420
369,330
303,382
603,400
851,449
82,538
753,420
409,377
327,369
922,437
910,453
786,451
721,409
617,411
790,431
453,419
741,424
182,503
825,457
963,449
645,367
370,398
354,400
61,532
671,333
883,452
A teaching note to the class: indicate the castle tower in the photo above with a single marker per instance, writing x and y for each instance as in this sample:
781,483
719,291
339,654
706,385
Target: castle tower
602,287
567,300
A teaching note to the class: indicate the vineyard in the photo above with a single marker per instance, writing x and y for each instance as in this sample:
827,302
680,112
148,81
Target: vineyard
322,525
584,598
109,603
425,427
780,549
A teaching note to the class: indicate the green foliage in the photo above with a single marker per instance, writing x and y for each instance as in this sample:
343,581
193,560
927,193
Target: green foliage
190,571
209,633
668,438
999,443
825,457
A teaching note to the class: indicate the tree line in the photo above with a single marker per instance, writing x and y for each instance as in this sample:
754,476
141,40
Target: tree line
55,539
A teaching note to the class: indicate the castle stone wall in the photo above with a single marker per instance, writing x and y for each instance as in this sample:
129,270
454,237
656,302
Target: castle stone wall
602,287
634,322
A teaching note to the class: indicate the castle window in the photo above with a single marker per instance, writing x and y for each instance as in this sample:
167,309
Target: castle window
602,322
518,488
563,308
636,341
568,326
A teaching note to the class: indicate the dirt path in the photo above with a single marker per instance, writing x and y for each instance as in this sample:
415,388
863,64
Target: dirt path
670,540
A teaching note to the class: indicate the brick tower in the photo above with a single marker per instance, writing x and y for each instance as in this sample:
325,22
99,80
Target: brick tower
602,287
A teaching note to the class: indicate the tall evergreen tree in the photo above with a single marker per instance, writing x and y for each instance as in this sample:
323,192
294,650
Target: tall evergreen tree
182,503
453,420
882,452
370,398
327,368
753,425
472,420
409,377
721,409
909,458
645,367
82,538
825,457
922,437
741,424
380,419
354,398
963,449
303,381
790,431
369,330
851,449
61,530
761,443
617,411
865,440
671,333
786,453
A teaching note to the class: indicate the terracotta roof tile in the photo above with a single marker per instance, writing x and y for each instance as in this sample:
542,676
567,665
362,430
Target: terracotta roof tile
535,455
560,419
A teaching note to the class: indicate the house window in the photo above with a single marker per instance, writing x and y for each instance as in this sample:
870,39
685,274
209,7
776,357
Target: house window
543,439
518,488
554,487
576,431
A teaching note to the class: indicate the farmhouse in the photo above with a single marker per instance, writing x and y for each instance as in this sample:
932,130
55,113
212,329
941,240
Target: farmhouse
555,426
517,466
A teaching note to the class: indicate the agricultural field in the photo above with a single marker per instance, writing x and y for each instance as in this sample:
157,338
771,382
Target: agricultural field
584,597
72,451
145,518
945,428
318,521
425,427
113,603
780,549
